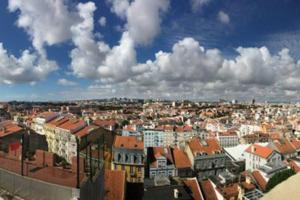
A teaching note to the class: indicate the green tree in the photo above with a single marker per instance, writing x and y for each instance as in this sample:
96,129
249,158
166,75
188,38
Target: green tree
124,122
278,178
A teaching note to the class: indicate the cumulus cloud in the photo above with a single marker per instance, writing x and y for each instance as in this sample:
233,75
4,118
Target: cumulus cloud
102,21
29,67
223,17
143,17
66,82
92,59
47,22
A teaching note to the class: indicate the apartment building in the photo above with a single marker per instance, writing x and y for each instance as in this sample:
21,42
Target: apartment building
162,162
128,155
38,122
228,139
257,155
61,136
207,157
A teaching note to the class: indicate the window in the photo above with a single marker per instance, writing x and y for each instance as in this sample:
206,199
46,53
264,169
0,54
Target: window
131,170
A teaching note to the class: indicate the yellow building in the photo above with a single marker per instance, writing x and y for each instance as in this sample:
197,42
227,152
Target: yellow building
128,155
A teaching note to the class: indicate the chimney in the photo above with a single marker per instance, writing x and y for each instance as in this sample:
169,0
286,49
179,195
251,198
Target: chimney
253,149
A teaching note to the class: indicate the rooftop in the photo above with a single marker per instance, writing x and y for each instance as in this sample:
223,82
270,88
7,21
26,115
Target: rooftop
128,142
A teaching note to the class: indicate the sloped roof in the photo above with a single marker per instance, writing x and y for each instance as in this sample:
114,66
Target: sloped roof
261,151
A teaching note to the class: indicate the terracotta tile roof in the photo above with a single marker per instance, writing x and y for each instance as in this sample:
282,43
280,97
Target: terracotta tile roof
85,130
161,151
183,128
114,185
58,121
285,146
181,159
208,190
229,191
8,128
260,180
209,146
100,122
296,143
72,125
294,166
261,151
193,185
228,133
128,142
47,115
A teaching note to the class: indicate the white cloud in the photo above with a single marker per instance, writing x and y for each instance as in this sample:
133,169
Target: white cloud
66,82
119,7
198,4
47,22
29,67
223,17
102,21
143,17
92,59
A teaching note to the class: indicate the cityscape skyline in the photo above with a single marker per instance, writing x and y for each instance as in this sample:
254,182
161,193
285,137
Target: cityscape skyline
65,50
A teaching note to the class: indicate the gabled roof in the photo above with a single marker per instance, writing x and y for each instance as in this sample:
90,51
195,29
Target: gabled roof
8,128
285,146
58,121
296,144
72,124
83,132
181,159
260,180
128,142
261,151
193,185
208,190
209,146
100,122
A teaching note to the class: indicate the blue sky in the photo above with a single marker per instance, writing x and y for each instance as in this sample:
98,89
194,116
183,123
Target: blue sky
206,33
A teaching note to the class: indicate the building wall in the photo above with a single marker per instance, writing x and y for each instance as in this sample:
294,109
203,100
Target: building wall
132,161
209,165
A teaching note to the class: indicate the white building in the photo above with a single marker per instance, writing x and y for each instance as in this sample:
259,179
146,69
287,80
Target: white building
228,139
246,129
41,119
257,155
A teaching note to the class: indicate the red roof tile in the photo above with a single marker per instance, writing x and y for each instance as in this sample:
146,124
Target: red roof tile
285,146
181,159
260,180
230,191
193,184
259,150
208,190
8,128
211,147
128,142
85,130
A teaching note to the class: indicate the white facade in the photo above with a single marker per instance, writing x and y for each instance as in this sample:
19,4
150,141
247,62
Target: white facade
38,122
254,161
229,140
246,129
